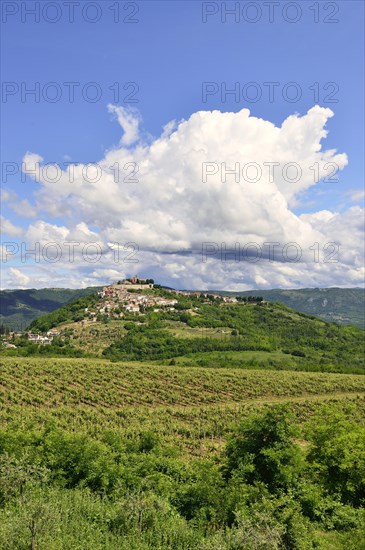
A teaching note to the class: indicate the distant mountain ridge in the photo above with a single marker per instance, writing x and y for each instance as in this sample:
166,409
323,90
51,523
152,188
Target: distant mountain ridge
18,308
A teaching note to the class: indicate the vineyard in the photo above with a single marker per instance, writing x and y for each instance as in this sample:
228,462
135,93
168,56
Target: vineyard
190,404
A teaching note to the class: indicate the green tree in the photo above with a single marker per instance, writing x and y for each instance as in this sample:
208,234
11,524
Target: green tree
337,455
262,450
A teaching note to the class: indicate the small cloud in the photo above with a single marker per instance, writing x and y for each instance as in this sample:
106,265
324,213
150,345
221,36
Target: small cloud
357,195
31,165
9,228
6,195
129,120
24,209
169,128
21,279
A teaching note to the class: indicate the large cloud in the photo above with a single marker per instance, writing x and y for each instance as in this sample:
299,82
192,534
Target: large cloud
171,194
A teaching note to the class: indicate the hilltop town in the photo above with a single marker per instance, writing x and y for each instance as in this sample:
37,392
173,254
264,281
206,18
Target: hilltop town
129,295
133,296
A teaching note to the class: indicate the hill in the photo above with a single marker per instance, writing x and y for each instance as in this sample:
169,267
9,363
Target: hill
18,308
196,329
340,305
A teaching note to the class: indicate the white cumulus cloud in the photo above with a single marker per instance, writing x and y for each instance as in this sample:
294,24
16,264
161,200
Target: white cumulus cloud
216,177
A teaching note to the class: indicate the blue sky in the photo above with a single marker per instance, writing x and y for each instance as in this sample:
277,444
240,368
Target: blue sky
168,54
